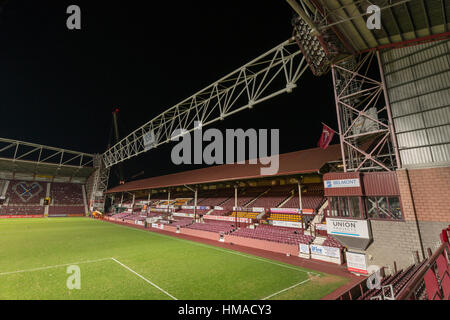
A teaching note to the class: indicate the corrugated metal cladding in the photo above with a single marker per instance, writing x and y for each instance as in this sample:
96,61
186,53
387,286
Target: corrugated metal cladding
334,192
418,82
380,184
371,184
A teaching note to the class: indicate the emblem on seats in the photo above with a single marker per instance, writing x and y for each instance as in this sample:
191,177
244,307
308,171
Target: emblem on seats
26,191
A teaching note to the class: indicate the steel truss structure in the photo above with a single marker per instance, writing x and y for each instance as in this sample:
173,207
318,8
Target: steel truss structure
364,117
15,150
97,185
271,74
32,160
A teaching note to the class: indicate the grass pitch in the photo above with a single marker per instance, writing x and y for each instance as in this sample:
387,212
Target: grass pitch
119,262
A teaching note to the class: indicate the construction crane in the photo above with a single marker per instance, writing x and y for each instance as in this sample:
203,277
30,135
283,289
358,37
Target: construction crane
115,126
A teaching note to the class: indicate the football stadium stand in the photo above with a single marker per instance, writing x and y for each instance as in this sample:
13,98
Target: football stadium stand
245,214
290,217
66,194
182,222
25,193
27,198
275,234
191,211
274,197
213,226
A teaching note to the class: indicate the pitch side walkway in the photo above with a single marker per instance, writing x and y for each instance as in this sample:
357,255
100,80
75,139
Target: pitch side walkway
321,266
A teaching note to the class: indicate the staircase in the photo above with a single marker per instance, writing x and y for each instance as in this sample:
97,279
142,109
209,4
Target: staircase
318,218
318,241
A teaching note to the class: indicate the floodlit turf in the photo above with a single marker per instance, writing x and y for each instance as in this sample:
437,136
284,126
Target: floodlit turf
119,262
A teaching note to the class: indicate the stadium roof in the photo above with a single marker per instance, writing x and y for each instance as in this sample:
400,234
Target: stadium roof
34,159
299,162
402,21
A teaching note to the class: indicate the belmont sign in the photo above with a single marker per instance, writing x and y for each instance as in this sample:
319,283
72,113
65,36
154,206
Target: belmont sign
342,183
348,228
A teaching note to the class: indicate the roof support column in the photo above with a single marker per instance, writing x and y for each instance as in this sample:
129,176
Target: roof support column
299,183
149,197
168,200
235,195
300,205
195,203
235,201
148,200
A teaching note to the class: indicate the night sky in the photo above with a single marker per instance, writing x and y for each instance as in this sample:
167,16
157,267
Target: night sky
59,87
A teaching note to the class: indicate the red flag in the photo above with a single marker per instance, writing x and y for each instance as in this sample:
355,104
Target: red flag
326,137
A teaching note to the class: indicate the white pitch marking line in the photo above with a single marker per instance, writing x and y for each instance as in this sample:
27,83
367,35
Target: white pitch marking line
281,291
53,267
148,281
215,248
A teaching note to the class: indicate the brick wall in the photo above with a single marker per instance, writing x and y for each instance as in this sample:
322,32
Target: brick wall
430,189
429,199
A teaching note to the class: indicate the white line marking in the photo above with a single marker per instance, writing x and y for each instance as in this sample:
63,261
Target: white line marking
148,281
52,267
214,248
281,291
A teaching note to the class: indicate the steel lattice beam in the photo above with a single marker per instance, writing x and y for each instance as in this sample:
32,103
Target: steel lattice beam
267,76
364,116
15,150
98,185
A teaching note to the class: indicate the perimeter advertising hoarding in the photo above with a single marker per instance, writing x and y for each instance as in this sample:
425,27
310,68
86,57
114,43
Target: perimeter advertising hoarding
158,226
149,210
193,207
284,210
225,218
240,209
164,206
181,214
326,251
348,228
21,216
322,227
286,224
304,248
342,183
356,262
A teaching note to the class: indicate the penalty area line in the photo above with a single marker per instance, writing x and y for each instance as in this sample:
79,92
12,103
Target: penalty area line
143,278
291,287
